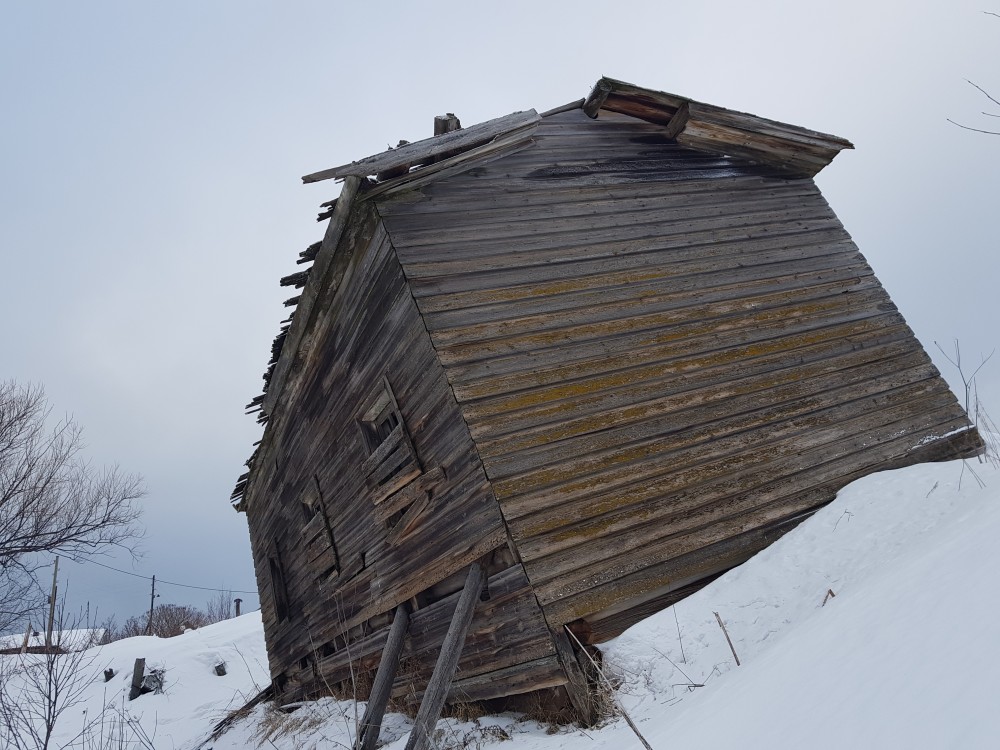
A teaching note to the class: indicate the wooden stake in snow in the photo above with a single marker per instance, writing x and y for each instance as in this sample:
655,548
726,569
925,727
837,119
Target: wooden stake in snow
677,622
728,639
829,595
52,609
138,670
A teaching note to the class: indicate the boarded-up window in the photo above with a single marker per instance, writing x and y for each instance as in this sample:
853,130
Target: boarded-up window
321,553
279,589
392,462
396,483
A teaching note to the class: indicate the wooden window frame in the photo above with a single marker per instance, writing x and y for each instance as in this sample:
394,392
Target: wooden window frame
318,530
279,585
397,485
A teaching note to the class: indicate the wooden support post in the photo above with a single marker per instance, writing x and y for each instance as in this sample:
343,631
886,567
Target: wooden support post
577,688
378,699
27,639
447,663
52,609
138,670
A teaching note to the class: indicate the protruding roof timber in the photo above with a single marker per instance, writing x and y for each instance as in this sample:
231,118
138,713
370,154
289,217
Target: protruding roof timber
694,124
705,127
420,151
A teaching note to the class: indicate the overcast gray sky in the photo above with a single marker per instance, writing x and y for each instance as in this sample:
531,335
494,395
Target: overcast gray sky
151,155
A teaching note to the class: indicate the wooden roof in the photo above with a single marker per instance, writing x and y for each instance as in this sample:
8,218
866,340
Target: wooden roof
794,151
704,127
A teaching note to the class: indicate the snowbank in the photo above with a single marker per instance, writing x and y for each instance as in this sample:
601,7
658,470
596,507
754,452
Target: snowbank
870,625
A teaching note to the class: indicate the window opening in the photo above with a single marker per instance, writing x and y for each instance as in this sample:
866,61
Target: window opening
397,485
392,462
279,588
315,509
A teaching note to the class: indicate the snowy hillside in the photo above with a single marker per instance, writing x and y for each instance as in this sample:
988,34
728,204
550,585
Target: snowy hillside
903,654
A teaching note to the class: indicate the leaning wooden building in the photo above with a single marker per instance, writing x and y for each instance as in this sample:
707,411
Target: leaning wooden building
602,354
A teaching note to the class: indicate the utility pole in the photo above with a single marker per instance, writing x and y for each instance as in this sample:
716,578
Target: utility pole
152,597
52,607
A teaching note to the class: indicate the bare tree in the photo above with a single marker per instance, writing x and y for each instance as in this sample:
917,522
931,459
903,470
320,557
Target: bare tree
220,607
51,500
994,103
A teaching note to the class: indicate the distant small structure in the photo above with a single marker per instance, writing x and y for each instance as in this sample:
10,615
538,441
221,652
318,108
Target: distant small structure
553,373
63,641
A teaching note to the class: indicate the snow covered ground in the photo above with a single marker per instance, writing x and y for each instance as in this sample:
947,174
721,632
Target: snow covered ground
904,654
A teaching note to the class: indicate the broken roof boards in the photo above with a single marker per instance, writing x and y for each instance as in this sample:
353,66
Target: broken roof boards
608,352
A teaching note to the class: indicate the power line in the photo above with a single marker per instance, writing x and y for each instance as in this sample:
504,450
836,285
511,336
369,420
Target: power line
150,578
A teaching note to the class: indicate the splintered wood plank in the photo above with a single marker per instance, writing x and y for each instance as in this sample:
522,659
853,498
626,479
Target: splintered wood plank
419,151
323,273
498,148
386,507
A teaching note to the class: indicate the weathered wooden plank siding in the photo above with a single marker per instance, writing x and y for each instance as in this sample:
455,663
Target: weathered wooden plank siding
343,573
665,357
508,638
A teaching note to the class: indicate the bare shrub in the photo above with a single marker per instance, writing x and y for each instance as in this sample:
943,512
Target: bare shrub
168,620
